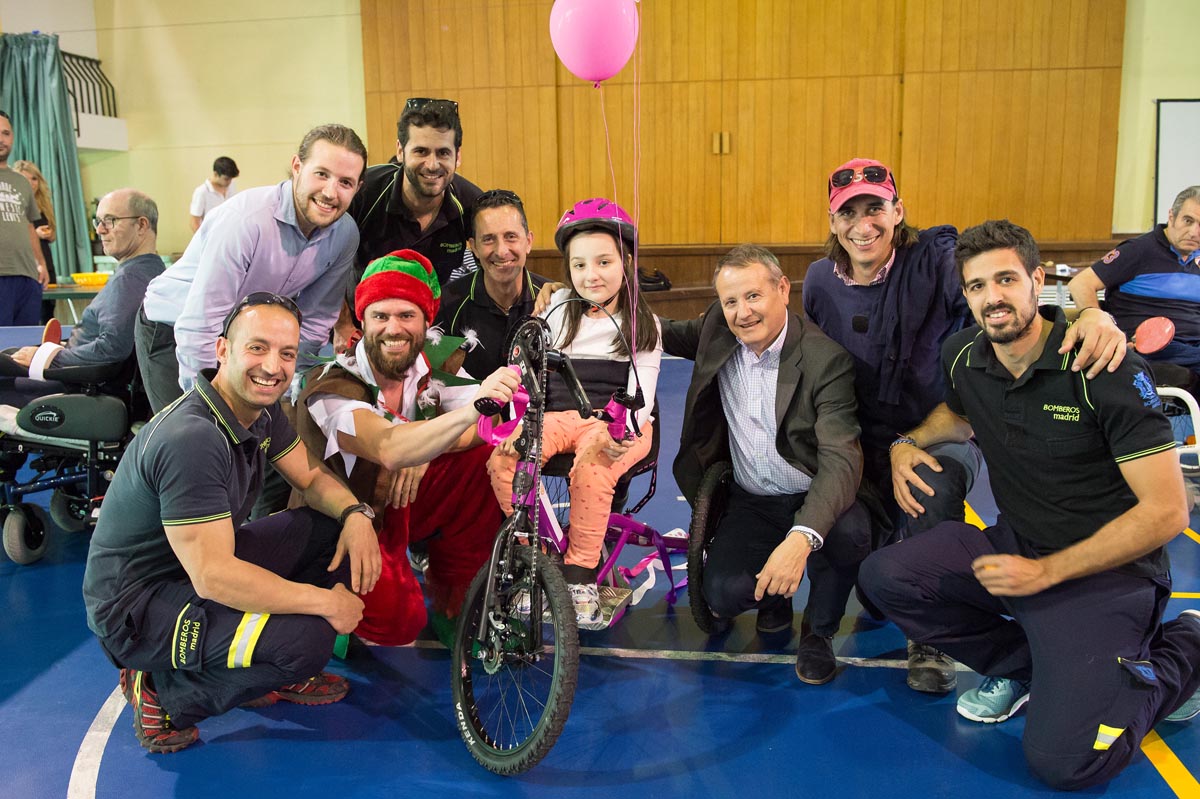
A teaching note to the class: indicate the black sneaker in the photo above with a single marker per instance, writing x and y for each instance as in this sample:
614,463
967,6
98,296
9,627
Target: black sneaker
930,671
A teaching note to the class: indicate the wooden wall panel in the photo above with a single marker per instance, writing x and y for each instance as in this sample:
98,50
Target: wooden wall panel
680,197
1005,107
1028,145
774,185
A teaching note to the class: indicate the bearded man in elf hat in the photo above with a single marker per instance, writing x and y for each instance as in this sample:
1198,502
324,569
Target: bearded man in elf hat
394,417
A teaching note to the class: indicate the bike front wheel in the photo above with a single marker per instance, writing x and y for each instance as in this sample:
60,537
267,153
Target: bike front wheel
513,690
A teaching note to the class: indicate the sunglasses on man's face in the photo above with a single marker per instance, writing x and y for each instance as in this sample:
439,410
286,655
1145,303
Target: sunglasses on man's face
260,298
871,174
498,195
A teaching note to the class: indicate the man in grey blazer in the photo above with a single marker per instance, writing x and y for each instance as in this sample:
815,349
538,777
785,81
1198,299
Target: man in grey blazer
775,396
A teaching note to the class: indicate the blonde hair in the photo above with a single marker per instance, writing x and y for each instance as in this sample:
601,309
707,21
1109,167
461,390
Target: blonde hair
41,194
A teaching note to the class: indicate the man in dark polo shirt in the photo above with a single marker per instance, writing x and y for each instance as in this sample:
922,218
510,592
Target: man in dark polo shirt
486,305
1156,274
199,612
1068,587
418,203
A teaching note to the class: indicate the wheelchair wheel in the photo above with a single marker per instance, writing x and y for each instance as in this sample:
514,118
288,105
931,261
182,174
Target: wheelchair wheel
25,529
711,498
511,698
69,512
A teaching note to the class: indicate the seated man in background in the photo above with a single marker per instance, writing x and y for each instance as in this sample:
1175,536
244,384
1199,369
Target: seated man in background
388,405
487,304
1156,274
774,395
1068,587
200,611
127,223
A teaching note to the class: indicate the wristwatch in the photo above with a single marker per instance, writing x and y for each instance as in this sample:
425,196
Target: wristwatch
358,507
814,540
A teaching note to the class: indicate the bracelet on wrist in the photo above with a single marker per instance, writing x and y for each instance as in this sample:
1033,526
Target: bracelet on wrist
903,440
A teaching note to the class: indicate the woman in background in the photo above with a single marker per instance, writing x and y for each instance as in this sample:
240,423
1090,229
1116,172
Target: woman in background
44,227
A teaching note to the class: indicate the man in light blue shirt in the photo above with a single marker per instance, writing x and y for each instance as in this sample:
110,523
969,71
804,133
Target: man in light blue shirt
290,239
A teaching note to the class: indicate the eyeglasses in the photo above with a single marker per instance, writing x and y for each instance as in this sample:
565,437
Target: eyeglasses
498,197
417,103
260,298
871,174
109,221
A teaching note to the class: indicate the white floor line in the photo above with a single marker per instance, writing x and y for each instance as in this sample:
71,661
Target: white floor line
727,657
86,769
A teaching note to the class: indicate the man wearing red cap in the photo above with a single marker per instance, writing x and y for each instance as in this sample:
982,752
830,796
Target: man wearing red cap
890,294
393,401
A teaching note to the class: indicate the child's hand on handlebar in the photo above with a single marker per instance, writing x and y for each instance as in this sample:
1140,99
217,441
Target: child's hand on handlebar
508,445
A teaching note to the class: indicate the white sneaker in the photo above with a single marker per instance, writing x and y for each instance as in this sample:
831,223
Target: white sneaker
586,597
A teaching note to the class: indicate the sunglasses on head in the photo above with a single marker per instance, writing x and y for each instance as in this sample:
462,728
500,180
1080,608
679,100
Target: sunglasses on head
260,298
503,195
871,174
417,103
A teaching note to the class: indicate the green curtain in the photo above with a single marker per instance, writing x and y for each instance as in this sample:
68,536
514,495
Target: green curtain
34,94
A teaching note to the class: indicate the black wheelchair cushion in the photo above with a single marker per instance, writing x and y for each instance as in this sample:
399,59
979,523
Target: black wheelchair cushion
78,416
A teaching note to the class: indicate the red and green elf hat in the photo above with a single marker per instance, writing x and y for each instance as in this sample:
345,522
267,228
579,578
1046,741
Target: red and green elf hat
403,275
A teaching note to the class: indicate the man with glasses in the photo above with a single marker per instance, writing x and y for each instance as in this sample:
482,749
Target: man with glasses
890,295
419,203
23,272
127,224
200,611
292,239
486,305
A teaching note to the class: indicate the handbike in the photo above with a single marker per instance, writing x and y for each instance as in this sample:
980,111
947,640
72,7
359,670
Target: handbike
516,646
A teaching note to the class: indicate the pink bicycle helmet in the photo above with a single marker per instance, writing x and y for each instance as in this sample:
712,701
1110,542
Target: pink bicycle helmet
595,213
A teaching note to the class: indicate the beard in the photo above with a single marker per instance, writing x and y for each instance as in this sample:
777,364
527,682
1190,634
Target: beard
413,177
393,367
1015,329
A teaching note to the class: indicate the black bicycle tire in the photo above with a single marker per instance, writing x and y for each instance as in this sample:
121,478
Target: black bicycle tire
479,741
710,504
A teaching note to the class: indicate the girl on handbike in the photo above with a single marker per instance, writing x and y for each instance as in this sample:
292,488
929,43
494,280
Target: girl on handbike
597,239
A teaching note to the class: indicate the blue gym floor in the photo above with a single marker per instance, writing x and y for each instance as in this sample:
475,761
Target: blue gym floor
661,710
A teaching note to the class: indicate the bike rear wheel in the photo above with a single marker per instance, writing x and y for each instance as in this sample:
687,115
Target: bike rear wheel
511,699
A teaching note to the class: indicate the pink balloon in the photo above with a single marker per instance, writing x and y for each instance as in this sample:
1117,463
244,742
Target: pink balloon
594,38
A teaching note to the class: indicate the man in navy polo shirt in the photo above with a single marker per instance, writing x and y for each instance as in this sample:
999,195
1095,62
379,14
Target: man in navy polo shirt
1156,274
199,611
1068,588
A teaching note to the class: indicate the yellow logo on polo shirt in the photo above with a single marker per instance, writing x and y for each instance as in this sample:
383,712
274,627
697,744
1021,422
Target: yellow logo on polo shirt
1062,413
265,443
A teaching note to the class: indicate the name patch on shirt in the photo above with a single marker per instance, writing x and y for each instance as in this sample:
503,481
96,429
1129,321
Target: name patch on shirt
1062,413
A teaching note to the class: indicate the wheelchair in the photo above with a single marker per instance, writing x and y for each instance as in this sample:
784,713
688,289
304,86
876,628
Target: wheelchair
72,441
1176,386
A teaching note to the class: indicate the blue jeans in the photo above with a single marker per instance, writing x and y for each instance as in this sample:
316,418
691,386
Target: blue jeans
20,301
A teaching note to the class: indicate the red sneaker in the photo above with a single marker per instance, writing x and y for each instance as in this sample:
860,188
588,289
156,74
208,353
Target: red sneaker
323,689
151,723
125,683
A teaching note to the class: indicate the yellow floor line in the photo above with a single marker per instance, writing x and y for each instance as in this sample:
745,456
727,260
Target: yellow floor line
1184,595
1192,534
1176,775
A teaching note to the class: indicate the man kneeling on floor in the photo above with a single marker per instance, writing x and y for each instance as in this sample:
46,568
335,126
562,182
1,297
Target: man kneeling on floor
392,402
199,612
1068,588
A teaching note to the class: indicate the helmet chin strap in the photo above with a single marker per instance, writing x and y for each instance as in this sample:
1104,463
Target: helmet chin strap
604,305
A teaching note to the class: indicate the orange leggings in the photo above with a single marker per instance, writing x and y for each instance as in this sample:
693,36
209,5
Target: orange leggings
593,477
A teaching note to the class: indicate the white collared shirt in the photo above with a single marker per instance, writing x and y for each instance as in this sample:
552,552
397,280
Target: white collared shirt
749,383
